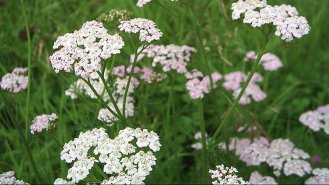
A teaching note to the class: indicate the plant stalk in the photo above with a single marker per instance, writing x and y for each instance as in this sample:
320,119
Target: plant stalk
137,53
29,59
204,143
244,87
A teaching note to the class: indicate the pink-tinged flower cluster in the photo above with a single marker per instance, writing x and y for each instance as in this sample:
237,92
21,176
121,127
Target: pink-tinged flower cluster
280,154
198,85
269,61
320,176
42,122
234,80
148,32
317,119
145,74
16,81
169,57
176,58
289,24
257,178
83,50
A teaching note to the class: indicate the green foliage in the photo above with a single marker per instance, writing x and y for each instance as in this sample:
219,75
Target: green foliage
301,85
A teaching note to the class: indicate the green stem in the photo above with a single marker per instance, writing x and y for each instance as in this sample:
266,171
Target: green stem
100,98
204,143
111,96
137,53
29,59
26,145
244,87
203,51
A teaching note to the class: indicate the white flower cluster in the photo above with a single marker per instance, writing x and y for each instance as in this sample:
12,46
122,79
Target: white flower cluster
226,175
147,29
141,3
169,57
289,24
257,178
119,155
269,61
317,119
321,176
9,178
83,50
42,122
234,80
16,81
280,154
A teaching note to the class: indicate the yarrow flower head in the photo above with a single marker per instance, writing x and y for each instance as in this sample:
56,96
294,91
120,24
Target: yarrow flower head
83,50
124,155
242,6
16,81
320,176
226,175
169,57
42,122
289,24
9,178
269,61
317,119
148,32
257,178
280,154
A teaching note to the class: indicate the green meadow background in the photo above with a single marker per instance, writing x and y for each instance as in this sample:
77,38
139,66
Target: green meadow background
301,85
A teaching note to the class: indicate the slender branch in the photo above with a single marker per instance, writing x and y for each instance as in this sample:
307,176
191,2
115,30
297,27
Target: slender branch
26,145
137,53
204,143
29,59
244,87
203,51
111,96
100,98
